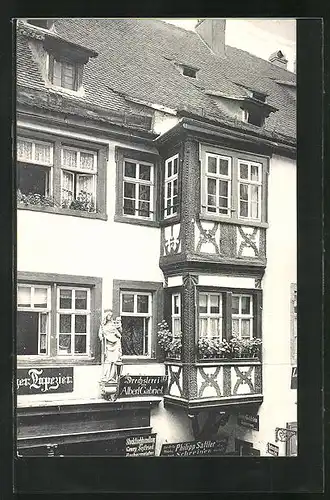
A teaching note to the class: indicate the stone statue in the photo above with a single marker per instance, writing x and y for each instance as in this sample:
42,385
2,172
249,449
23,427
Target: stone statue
110,336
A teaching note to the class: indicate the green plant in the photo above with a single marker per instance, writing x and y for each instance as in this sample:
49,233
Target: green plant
84,201
171,346
34,199
233,348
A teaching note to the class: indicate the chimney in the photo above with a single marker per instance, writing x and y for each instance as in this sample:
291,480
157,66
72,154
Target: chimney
212,32
279,59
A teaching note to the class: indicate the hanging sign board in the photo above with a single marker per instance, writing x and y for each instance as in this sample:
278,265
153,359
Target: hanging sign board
294,378
249,421
44,380
195,448
142,385
272,449
140,446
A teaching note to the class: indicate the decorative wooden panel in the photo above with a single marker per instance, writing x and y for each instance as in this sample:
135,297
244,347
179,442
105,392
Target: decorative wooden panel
171,239
175,380
245,380
248,241
210,381
207,237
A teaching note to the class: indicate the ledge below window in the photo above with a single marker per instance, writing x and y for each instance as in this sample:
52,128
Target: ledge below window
138,222
63,211
225,220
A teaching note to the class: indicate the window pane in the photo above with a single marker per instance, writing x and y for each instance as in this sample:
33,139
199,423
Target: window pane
144,209
223,203
134,335
80,344
40,297
246,305
223,188
57,73
87,161
235,327
43,322
202,303
175,166
142,303
43,344
24,296
245,328
80,324
169,169
175,187
254,172
223,167
176,303
254,193
65,298
211,203
254,210
24,150
244,208
214,327
145,172
144,192
85,186
130,169
203,327
33,179
64,344
175,204
244,171
129,190
69,158
235,304
65,323
244,192
129,207
81,299
211,186
127,302
43,153
176,326
67,186
214,304
169,189
67,82
27,333
212,165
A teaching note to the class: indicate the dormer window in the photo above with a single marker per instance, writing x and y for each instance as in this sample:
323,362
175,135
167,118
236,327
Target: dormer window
253,116
259,96
188,71
63,73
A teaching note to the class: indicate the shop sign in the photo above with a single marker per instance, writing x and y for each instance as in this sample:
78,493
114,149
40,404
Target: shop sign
247,420
195,448
44,380
142,385
140,446
294,378
272,449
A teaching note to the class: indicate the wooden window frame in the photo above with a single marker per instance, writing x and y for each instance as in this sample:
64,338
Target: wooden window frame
218,177
170,181
227,294
63,280
241,316
135,314
208,315
59,142
122,155
236,157
77,71
154,288
175,316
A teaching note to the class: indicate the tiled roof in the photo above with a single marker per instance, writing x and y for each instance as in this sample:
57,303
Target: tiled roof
135,59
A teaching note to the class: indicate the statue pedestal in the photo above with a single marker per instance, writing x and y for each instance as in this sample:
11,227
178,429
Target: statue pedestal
109,390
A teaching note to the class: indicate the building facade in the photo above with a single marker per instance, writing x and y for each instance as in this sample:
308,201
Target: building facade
156,177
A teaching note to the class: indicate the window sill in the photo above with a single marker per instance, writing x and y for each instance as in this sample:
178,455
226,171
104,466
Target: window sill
139,361
138,222
58,361
63,211
170,221
227,220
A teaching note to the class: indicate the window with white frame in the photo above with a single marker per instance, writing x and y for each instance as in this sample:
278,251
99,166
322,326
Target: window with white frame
249,187
210,315
171,186
218,184
33,319
73,320
242,316
34,166
138,186
78,178
63,73
136,319
176,314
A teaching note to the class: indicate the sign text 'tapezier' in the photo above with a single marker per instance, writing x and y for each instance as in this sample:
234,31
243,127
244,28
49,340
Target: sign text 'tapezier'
44,380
